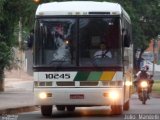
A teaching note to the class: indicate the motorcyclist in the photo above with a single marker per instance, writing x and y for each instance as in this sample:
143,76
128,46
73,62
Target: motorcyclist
144,74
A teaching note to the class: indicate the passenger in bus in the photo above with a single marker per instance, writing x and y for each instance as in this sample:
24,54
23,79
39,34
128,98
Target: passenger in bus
103,52
62,51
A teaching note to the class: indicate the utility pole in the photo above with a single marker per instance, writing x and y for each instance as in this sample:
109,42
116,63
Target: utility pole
20,46
20,33
154,45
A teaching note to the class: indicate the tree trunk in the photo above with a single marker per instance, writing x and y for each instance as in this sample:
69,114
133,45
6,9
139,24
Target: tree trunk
1,80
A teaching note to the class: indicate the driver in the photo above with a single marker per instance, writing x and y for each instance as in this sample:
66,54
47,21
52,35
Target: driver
103,52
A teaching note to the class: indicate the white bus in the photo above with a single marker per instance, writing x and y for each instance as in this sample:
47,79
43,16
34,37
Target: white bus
66,72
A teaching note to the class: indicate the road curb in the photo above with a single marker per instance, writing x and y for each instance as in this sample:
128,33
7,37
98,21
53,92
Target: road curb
18,110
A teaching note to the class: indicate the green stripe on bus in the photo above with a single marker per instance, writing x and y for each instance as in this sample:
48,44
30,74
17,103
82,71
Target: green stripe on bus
94,76
81,76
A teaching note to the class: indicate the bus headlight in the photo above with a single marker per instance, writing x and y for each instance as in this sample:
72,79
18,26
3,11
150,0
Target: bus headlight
128,83
43,95
113,95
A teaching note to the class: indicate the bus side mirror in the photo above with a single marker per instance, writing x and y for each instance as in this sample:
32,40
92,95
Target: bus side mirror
29,44
126,38
29,41
126,41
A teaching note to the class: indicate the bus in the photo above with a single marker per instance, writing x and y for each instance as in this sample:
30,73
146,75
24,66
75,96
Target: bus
66,72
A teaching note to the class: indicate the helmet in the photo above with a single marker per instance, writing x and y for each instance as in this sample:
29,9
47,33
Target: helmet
143,68
147,67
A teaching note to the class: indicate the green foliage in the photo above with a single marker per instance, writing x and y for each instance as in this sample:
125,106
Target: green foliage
144,15
145,20
156,86
5,55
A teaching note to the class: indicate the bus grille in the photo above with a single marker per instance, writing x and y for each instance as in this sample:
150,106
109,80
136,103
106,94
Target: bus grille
65,83
78,83
88,83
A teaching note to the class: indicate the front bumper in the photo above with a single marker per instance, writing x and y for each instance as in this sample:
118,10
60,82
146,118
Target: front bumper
79,96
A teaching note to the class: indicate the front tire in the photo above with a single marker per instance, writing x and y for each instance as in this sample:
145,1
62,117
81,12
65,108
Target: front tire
60,107
144,97
126,106
116,109
46,110
144,102
70,108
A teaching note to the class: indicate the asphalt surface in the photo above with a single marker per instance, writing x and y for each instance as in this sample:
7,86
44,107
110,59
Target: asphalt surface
18,95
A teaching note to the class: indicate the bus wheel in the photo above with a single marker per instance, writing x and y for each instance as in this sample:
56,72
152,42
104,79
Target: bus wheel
60,107
70,108
126,105
116,109
46,110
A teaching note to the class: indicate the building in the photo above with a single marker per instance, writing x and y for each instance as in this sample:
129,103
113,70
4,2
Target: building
148,54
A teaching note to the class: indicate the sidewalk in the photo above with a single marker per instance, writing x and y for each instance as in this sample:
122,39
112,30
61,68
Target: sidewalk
18,94
15,102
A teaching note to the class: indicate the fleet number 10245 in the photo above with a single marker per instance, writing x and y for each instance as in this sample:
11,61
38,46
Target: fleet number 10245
58,76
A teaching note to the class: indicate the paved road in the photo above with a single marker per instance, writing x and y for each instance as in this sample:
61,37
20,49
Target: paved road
93,113
137,111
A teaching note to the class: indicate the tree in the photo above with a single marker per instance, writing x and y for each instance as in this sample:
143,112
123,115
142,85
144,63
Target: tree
10,12
5,44
145,22
144,15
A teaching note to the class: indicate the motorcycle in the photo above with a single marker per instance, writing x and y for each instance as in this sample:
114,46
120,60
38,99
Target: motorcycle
143,90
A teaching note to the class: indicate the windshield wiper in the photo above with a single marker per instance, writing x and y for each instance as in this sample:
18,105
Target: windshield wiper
92,60
59,61
56,61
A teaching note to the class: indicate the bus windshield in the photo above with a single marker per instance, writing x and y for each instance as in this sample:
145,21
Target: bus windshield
86,42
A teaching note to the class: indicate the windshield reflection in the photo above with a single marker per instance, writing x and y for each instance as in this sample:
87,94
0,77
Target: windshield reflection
95,42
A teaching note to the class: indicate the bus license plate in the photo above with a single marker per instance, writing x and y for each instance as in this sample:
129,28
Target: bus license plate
76,96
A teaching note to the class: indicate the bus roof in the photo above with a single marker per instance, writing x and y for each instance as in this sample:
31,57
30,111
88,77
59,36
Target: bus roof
79,8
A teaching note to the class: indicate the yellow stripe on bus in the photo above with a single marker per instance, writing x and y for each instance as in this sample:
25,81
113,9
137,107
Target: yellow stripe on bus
107,75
